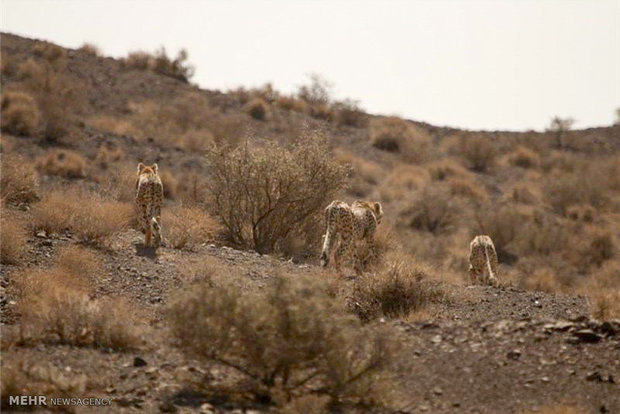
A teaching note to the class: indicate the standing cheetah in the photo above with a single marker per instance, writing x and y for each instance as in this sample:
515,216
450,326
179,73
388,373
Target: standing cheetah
482,256
351,224
149,196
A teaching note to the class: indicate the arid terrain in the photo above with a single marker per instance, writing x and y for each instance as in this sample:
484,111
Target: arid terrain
234,314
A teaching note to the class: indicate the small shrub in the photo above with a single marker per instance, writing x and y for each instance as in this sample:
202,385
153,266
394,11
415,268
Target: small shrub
468,188
262,194
196,140
291,103
394,292
543,279
598,246
186,227
585,187
541,234
63,163
478,152
257,109
503,224
602,287
91,217
321,111
18,181
290,340
54,54
20,113
364,173
317,92
348,113
585,213
90,49
138,60
113,125
396,135
524,158
107,155
444,169
523,193
176,68
432,210
13,240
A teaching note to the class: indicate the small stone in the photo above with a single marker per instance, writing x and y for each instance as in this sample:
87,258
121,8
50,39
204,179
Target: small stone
139,362
515,354
594,376
437,391
436,339
587,335
168,407
41,235
545,379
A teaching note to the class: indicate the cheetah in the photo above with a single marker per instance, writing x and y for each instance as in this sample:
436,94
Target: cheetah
149,196
482,255
350,224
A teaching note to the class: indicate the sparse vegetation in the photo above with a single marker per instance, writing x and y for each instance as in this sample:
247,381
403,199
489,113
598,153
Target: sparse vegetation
187,227
64,163
262,193
478,152
18,181
20,113
159,62
13,240
288,341
432,210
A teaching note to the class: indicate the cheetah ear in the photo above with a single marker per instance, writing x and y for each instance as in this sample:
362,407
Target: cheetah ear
155,167
378,208
140,167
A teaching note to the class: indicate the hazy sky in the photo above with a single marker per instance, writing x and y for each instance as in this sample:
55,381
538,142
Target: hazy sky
471,64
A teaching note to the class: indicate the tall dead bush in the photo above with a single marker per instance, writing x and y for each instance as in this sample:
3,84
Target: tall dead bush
263,193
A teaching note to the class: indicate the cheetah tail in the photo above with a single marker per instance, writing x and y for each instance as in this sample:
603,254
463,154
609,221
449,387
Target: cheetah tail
492,276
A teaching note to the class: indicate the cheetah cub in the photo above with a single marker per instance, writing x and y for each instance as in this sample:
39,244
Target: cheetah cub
482,256
149,197
350,224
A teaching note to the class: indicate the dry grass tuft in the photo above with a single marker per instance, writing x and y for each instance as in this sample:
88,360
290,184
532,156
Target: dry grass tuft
90,49
64,163
395,291
478,152
187,227
20,113
289,340
18,181
469,189
13,239
291,103
257,108
434,210
603,289
394,134
524,157
108,155
89,216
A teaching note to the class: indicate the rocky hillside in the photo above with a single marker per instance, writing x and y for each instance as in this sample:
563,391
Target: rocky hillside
219,321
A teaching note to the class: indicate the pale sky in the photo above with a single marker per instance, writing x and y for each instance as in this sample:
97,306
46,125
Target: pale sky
468,64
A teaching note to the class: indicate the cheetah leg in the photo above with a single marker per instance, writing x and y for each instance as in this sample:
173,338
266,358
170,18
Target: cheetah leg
343,252
147,237
491,256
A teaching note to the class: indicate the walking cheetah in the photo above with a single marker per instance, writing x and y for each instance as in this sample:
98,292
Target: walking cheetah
482,256
149,196
350,224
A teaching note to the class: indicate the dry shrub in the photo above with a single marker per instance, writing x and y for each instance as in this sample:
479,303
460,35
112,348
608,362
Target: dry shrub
317,91
589,186
113,125
169,183
159,62
263,193
468,188
196,140
503,224
321,111
52,53
187,227
18,181
603,289
372,255
138,60
541,279
64,163
395,291
597,246
402,181
585,213
107,155
542,234
524,157
192,188
524,194
26,375
13,239
289,340
90,49
434,210
119,183
20,113
55,306
257,108
89,216
348,113
478,152
291,103
446,168
394,134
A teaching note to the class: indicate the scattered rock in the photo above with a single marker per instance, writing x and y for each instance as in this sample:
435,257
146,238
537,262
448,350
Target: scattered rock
139,362
168,407
515,354
437,391
587,335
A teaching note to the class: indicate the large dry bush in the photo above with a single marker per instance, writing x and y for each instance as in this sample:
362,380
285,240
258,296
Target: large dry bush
434,210
64,163
478,152
159,62
524,157
289,340
261,194
588,186
502,222
13,239
258,109
89,216
20,113
348,113
18,180
395,291
394,134
187,227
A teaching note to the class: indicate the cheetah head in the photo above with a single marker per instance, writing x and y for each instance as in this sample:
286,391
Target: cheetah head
145,169
378,210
